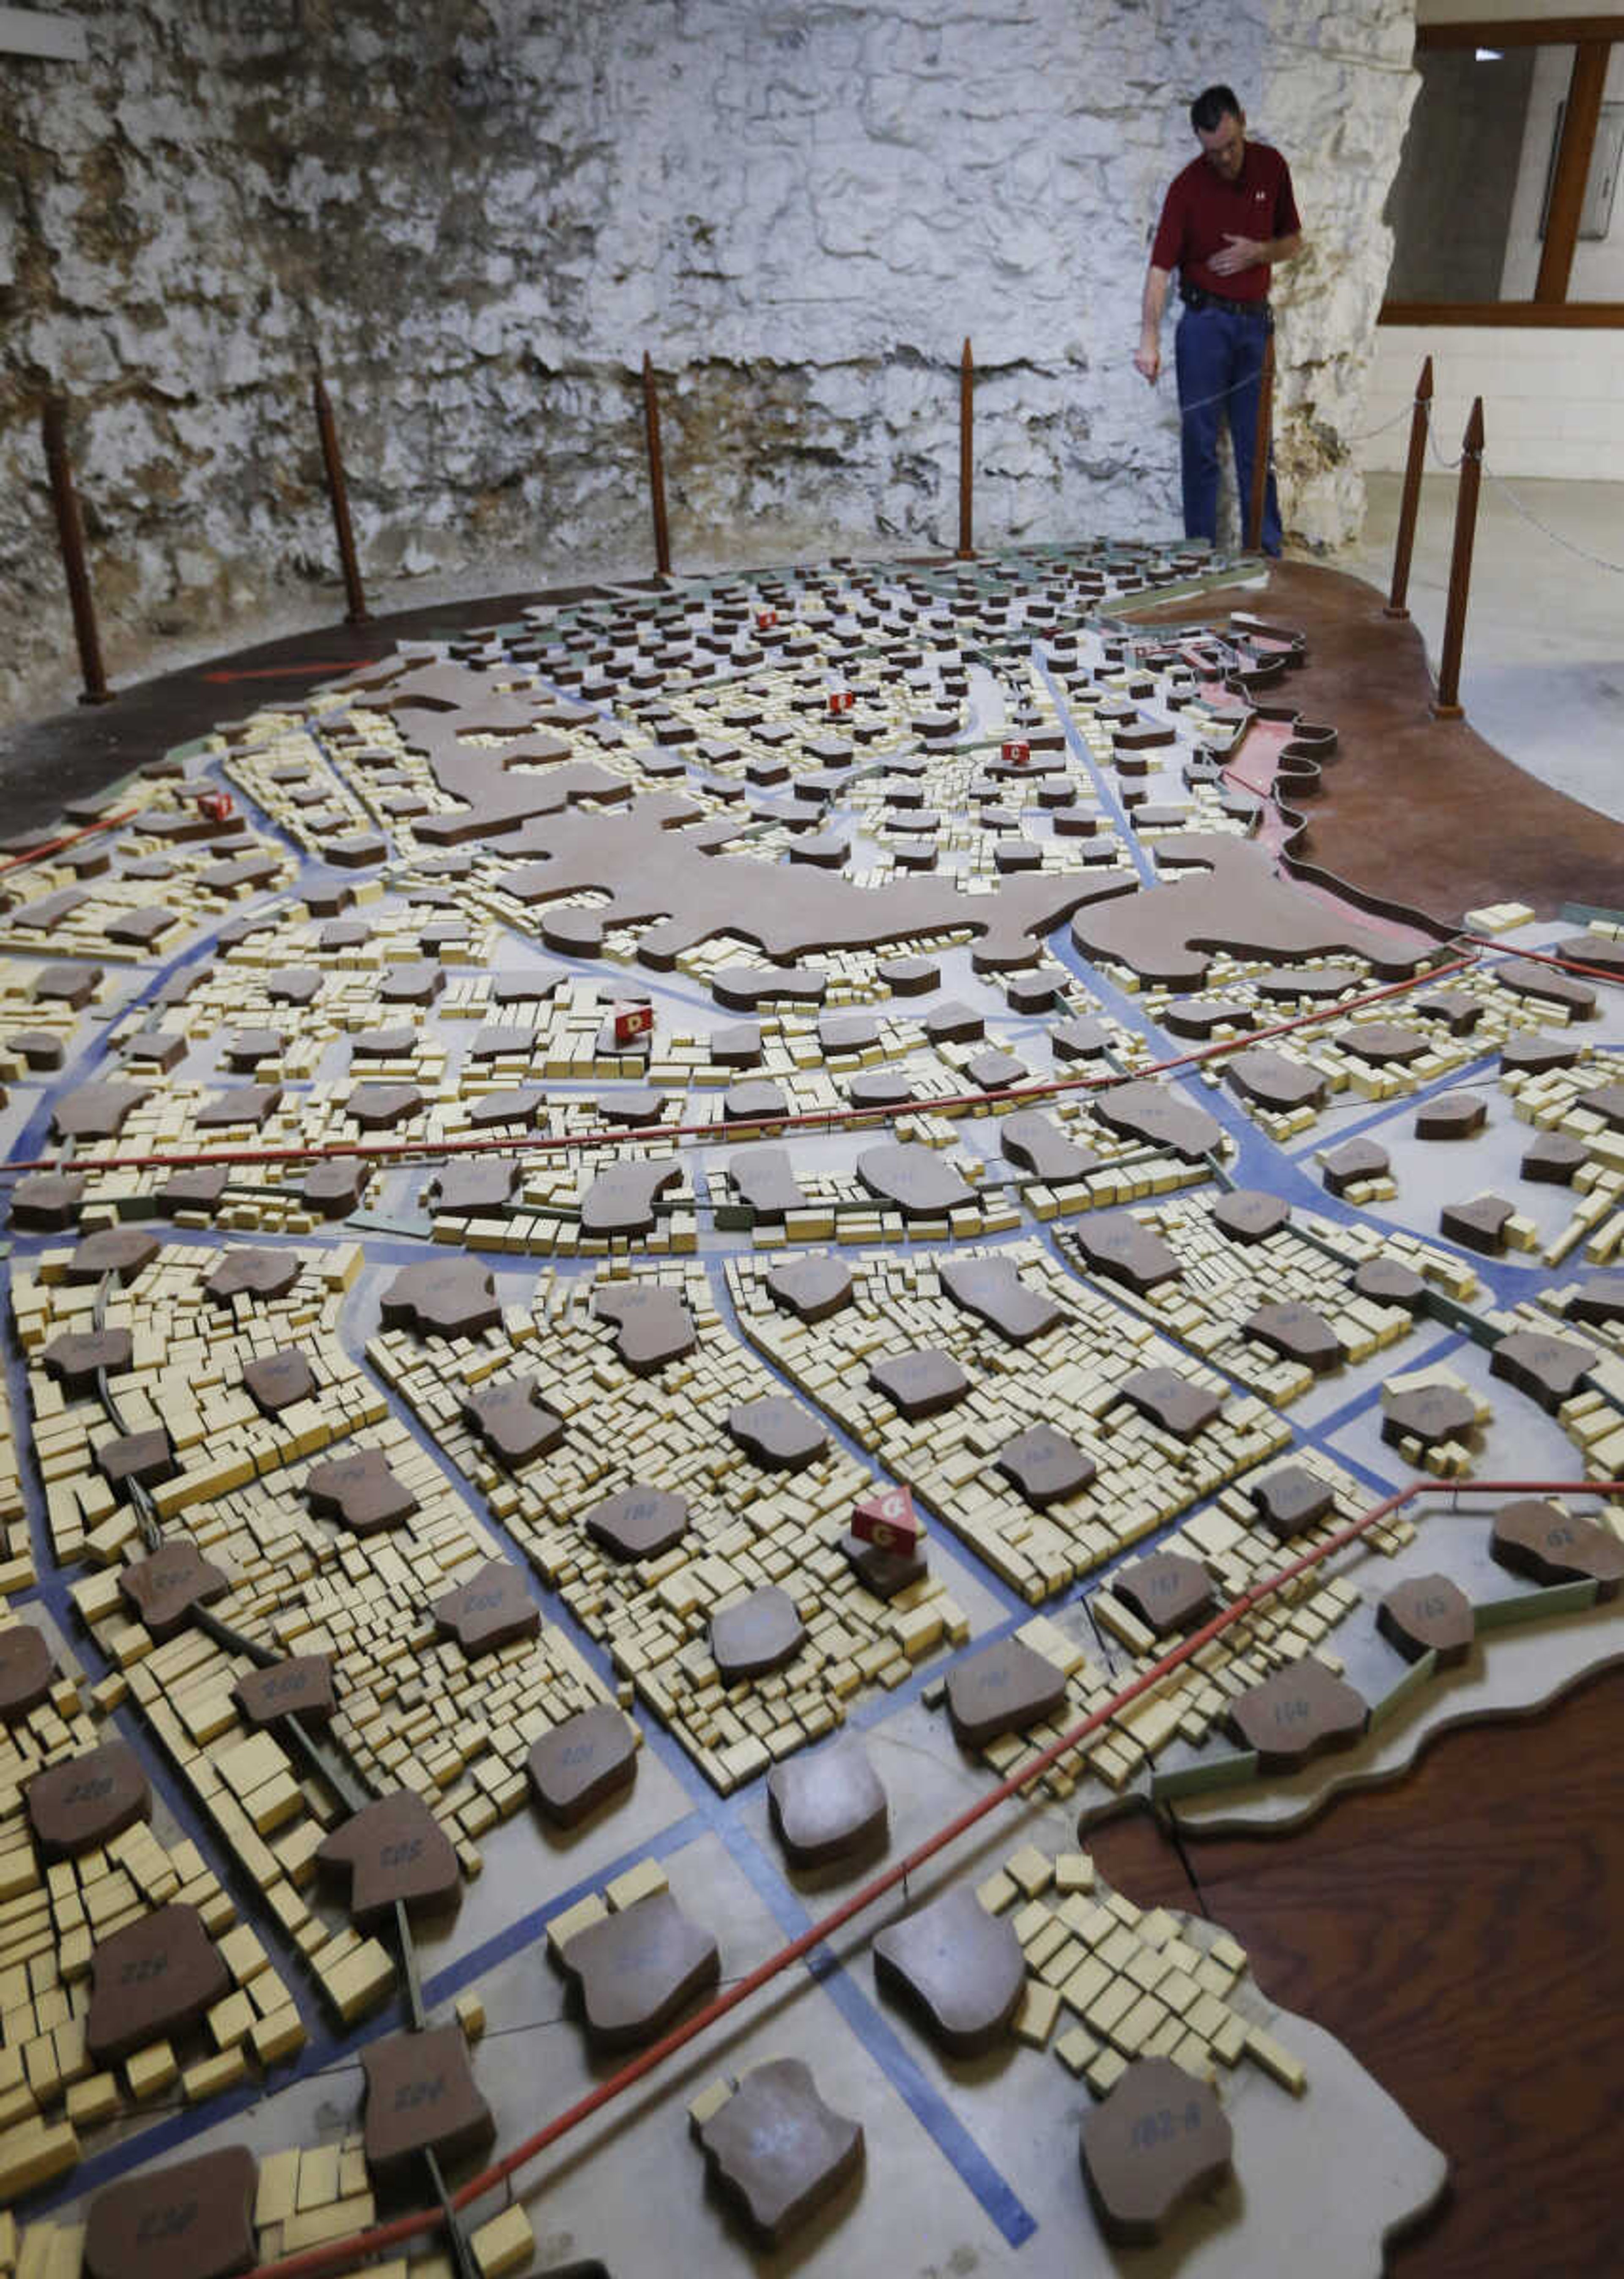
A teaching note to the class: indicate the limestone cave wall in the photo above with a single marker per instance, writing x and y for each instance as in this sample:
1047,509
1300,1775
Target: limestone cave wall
485,212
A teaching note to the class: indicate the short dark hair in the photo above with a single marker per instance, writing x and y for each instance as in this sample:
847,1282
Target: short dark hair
1211,105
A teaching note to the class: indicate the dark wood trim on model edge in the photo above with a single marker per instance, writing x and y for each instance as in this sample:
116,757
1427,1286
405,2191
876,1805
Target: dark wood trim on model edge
1520,32
1575,316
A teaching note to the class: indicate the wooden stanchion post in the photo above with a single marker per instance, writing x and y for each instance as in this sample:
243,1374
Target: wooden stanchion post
1261,442
1409,504
70,536
656,469
1446,704
967,453
338,493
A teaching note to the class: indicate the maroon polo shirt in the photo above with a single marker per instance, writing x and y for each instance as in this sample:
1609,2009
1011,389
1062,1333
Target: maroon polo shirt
1202,211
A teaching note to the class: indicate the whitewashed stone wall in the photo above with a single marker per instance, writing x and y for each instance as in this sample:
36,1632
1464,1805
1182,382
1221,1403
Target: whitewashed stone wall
486,212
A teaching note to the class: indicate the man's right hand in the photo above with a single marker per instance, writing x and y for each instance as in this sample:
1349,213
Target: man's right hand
1148,359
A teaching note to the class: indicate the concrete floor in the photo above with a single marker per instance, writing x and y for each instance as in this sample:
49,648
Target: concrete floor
1543,673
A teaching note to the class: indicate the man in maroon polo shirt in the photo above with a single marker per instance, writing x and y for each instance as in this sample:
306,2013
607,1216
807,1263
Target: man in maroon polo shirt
1226,220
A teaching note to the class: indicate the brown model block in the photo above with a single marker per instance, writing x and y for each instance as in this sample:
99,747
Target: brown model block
620,1199
150,1981
1554,1158
1250,1215
360,1492
82,1801
252,1274
191,2219
1388,1283
1044,1466
1384,1044
962,1968
124,1251
1538,1054
250,1104
201,1188
1271,1080
1002,1689
28,1671
94,1111
1166,1591
1115,1244
445,1298
72,985
778,1434
919,1384
46,1202
637,1968
1599,1299
301,1686
1345,1166
1427,1413
1534,1538
581,1764
1159,2140
164,1587
1290,1499
1034,1142
1428,1614
1198,1017
1159,1115
392,1850
145,1458
1450,1116
828,1805
757,1636
1549,1370
1545,985
513,1422
779,2150
992,1289
491,1610
1079,1039
279,1380
1296,1332
641,1521
1479,1225
915,1178
421,2098
73,1359
811,1288
1296,1714
1170,1400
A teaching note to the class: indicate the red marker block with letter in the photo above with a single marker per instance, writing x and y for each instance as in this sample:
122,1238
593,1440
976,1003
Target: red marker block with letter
765,621
632,1021
841,700
1016,750
217,805
889,1522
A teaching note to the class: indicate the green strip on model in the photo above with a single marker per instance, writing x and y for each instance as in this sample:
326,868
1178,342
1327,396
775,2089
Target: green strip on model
1534,1606
1413,1679
1195,1780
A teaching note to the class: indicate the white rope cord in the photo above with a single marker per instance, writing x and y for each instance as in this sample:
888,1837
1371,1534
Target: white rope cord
1568,545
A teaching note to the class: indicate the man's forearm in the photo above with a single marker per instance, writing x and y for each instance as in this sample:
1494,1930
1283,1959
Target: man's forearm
1277,249
1155,300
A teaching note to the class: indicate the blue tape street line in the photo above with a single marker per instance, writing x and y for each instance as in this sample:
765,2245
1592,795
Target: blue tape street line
884,2046
1385,1111
1104,790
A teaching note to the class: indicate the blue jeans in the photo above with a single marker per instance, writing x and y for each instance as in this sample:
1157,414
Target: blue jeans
1218,352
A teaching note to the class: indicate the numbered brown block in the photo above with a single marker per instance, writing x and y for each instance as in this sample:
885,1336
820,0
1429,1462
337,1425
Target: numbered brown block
1296,1332
1034,1142
811,1288
1301,1712
420,2098
641,1521
1427,1412
1114,1245
1599,950
778,1434
139,1458
1159,1115
756,1635
469,1190
72,985
294,985
279,1380
766,1182
737,1046
360,1492
192,2220
1534,1538
1387,1283
1166,1591
245,1048
94,1111
1291,1500
1158,2141
954,1023
827,1806
416,983
1538,1054
154,1979
1199,1017
1044,1466
1549,1370
512,1104
582,1763
1003,1689
82,1801
1427,1614
911,977
992,1289
1355,1160
46,1202
778,2150
122,1251
653,1325
166,1586
886,1087
28,1671
1079,1039
1607,1101
995,1072
1599,1299
1479,1225
620,1199
442,1298
919,1384
1271,1080
392,1850
1553,1159
1170,1400
513,1422
633,1108
915,1178
383,1107
885,1572
395,1044
301,1686
1458,1012
1250,1215
1383,1044
742,988
251,1105
332,1190
1452,1116
637,1968
961,1968
756,1101
73,1359
490,1610
250,1273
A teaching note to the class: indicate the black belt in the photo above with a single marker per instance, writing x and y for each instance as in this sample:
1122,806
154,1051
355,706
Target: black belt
1197,296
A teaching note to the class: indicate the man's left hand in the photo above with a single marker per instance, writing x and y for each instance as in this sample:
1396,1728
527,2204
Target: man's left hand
1238,253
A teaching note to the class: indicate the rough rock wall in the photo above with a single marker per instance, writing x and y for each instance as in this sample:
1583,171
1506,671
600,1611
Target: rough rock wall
486,213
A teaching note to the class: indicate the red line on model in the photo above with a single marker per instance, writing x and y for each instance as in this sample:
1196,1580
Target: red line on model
326,2257
68,839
